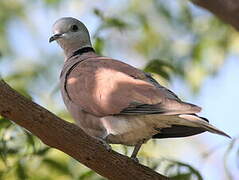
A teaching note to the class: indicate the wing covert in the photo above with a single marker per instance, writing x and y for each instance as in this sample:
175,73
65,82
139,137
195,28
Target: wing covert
104,87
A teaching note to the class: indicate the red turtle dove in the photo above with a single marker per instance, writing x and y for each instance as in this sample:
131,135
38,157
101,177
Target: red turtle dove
116,102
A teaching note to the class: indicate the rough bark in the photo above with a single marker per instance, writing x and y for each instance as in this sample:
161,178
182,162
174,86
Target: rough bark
226,10
70,139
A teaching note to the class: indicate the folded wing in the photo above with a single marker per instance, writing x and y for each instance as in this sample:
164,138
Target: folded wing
108,87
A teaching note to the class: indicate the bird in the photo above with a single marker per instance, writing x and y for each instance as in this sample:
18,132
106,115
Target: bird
115,102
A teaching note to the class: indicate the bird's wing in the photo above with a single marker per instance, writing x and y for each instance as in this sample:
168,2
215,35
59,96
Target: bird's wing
103,86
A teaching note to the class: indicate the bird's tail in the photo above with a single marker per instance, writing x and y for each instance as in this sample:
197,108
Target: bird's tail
201,122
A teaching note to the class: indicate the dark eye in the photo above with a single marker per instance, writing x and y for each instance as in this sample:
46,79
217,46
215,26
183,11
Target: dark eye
74,28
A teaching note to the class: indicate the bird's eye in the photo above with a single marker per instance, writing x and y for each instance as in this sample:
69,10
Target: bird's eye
74,28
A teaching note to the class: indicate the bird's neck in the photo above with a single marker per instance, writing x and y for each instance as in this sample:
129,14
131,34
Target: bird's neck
70,50
81,51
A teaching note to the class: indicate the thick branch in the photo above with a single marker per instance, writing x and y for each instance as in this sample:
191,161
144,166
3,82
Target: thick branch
227,10
70,139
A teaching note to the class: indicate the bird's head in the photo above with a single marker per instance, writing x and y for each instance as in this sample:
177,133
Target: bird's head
70,34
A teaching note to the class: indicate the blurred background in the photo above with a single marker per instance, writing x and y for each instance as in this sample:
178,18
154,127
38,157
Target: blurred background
186,48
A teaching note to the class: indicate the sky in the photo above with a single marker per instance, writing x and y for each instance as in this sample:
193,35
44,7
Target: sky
218,96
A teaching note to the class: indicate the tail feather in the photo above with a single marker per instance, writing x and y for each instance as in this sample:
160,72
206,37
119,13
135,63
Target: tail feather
202,122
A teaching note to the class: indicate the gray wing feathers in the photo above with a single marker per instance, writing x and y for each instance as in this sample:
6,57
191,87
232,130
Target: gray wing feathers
200,122
167,107
168,93
170,105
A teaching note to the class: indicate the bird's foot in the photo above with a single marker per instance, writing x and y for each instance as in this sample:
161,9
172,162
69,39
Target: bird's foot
107,146
135,159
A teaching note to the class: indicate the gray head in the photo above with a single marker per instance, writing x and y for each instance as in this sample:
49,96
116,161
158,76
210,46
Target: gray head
70,34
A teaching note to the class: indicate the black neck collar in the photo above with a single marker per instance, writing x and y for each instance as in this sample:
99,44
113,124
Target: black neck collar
82,51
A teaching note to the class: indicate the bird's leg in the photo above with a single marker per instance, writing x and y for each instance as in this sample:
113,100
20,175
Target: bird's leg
136,150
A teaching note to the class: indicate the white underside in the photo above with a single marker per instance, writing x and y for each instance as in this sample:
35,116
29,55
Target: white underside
130,130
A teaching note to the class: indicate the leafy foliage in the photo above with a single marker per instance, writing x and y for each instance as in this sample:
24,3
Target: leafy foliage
162,68
181,171
7,13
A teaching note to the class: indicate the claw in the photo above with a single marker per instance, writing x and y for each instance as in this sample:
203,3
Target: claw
107,146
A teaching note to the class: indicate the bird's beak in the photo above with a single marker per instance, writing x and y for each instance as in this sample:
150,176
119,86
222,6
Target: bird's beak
55,37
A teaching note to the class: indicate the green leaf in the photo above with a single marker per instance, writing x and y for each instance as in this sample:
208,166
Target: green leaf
176,168
197,51
160,67
184,176
43,151
21,171
98,13
4,123
99,45
30,140
1,174
191,169
55,165
109,22
86,175
163,10
115,22
52,2
10,151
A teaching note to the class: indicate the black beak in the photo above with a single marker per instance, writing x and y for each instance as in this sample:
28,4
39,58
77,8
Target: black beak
55,37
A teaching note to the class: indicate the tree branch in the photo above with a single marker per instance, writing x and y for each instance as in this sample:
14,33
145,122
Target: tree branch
227,10
69,138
